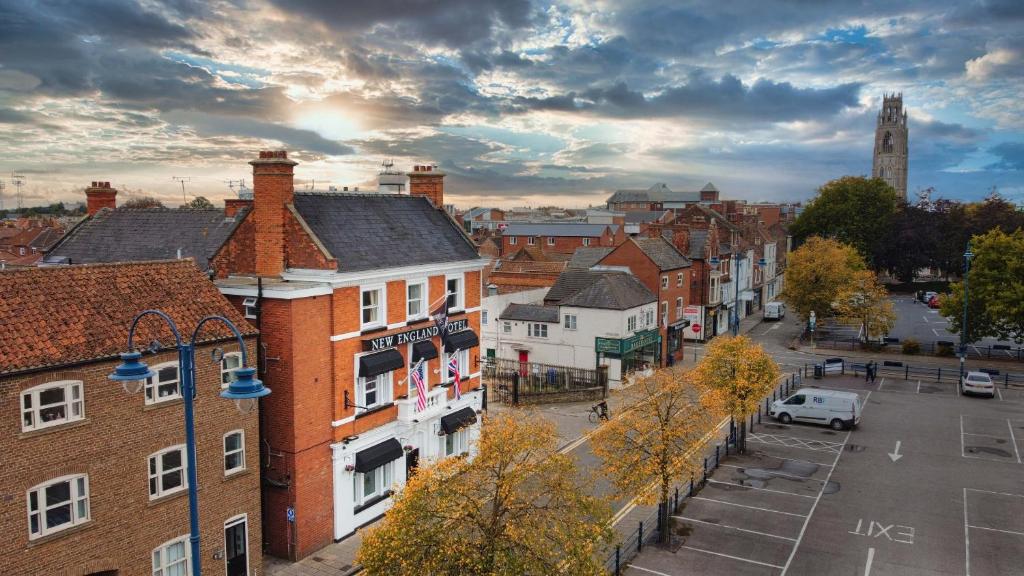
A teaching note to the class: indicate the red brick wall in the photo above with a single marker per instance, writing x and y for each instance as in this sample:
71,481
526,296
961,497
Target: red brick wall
300,250
238,254
272,190
562,245
428,184
112,446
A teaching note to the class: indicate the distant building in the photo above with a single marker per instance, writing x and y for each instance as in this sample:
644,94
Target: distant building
563,237
892,144
660,197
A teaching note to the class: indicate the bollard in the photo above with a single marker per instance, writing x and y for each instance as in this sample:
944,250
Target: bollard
676,505
716,455
906,372
640,537
704,479
618,555
939,377
690,488
751,422
758,415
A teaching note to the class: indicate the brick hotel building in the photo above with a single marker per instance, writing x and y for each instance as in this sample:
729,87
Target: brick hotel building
340,285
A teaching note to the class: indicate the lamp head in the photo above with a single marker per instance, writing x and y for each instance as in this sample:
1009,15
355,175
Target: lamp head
131,372
245,389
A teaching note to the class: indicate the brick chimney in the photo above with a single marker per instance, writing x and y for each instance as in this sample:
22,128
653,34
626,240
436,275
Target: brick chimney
100,195
273,189
233,205
427,181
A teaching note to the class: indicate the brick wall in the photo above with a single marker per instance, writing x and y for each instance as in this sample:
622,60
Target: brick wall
300,249
112,446
238,254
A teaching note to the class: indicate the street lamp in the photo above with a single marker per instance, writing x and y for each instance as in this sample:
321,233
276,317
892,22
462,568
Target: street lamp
963,327
245,389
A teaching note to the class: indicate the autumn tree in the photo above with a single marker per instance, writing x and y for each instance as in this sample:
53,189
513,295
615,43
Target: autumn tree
656,443
866,302
143,202
518,507
817,272
199,203
739,373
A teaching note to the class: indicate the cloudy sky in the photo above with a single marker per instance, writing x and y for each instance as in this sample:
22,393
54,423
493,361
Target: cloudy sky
519,102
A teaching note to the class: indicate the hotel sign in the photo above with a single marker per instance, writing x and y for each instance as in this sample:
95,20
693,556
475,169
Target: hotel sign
410,336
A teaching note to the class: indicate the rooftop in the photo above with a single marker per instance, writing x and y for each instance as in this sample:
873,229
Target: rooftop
613,290
664,255
573,229
585,257
530,313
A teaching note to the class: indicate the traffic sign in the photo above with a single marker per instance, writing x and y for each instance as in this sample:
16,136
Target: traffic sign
291,514
695,328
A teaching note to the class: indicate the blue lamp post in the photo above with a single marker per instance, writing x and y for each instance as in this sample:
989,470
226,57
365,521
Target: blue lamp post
244,390
968,255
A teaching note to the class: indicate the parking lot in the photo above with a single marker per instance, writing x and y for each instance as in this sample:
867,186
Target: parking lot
929,483
916,320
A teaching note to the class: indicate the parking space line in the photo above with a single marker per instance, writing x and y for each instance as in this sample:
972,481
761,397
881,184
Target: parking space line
687,519
1013,439
996,493
796,460
781,474
1015,532
732,557
880,382
795,442
986,435
1004,461
998,393
761,489
746,506
871,559
918,386
648,570
967,531
963,454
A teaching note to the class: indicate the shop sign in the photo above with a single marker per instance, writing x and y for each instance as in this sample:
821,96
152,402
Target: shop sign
414,335
692,313
608,346
640,340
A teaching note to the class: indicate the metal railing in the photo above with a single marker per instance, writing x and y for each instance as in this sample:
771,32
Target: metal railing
942,348
514,382
906,371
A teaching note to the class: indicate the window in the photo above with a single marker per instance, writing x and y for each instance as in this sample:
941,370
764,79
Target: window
456,443
165,385
537,330
234,451
51,404
570,321
551,240
586,241
228,364
679,280
21,251
371,485
167,472
631,324
58,504
679,308
375,391
506,327
664,282
531,240
416,293
455,293
462,357
664,312
172,558
372,308
650,317
796,400
249,304
512,240
483,317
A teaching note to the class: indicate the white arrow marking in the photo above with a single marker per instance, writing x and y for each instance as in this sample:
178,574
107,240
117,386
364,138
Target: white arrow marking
895,454
871,559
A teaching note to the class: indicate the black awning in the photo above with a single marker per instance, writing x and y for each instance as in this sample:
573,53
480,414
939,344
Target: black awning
379,363
378,455
462,340
423,350
458,419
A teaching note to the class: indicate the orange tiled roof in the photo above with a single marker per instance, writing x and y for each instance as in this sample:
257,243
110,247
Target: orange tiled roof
67,314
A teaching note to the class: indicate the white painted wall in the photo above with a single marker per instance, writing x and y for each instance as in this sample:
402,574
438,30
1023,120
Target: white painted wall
493,306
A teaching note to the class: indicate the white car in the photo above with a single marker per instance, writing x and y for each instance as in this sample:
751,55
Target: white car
978,383
834,408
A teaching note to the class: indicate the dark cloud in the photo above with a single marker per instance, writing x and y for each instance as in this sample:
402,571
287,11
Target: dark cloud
9,116
296,139
1011,156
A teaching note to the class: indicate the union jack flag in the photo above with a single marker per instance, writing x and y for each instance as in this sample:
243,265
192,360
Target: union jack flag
421,388
453,370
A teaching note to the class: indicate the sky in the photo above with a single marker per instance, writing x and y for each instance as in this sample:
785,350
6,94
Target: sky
519,102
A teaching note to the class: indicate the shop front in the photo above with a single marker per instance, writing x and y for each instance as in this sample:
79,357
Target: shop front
626,355
676,335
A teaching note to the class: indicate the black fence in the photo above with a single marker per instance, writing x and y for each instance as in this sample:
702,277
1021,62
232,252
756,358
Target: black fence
906,371
947,348
514,382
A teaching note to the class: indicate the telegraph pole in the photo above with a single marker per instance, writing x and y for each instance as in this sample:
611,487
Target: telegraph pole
18,180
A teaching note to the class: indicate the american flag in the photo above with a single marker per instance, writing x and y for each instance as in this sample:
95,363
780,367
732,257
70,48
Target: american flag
453,369
421,388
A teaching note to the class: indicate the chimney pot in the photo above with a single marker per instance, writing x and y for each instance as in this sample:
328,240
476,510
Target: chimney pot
98,196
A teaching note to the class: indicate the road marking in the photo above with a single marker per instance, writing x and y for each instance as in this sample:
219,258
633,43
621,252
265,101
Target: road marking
895,454
1015,532
936,332
998,393
996,493
684,518
871,558
807,519
925,319
761,489
986,435
967,537
648,570
918,386
880,382
746,506
795,442
1013,439
780,474
731,557
963,454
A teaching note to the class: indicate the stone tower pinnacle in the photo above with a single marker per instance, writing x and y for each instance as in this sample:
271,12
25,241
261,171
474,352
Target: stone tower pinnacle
891,144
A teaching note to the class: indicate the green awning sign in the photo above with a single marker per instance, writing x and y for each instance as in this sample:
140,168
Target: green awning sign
608,345
626,345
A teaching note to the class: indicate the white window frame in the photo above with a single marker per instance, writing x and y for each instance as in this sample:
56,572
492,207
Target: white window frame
483,317
159,472
679,280
586,241
383,477
570,321
78,502
383,386
460,294
455,443
159,556
151,389
70,404
227,373
537,330
229,523
381,306
512,240
531,240
240,451
679,307
506,327
664,282
551,240
422,283
631,323
249,306
664,311
462,357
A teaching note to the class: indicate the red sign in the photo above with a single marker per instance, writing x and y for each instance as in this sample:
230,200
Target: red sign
695,328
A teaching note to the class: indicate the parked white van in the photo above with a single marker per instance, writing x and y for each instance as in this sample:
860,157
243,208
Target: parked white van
774,311
833,408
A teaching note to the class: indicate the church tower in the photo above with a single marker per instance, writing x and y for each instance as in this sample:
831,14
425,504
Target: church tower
890,160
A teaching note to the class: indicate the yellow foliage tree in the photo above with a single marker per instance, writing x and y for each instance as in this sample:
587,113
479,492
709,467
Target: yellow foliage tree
518,507
865,301
816,273
739,373
657,441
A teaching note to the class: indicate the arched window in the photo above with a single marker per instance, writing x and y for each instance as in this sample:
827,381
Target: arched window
887,143
881,172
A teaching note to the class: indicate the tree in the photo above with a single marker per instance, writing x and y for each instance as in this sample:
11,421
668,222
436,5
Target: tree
854,210
910,244
739,373
199,203
815,274
518,507
657,441
995,289
143,202
865,301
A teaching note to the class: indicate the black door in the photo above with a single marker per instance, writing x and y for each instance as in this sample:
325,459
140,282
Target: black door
236,544
412,461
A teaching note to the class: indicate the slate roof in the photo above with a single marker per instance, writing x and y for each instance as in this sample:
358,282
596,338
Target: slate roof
698,238
664,255
709,187
644,216
66,314
530,313
611,291
372,231
572,229
586,257
136,234
657,193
